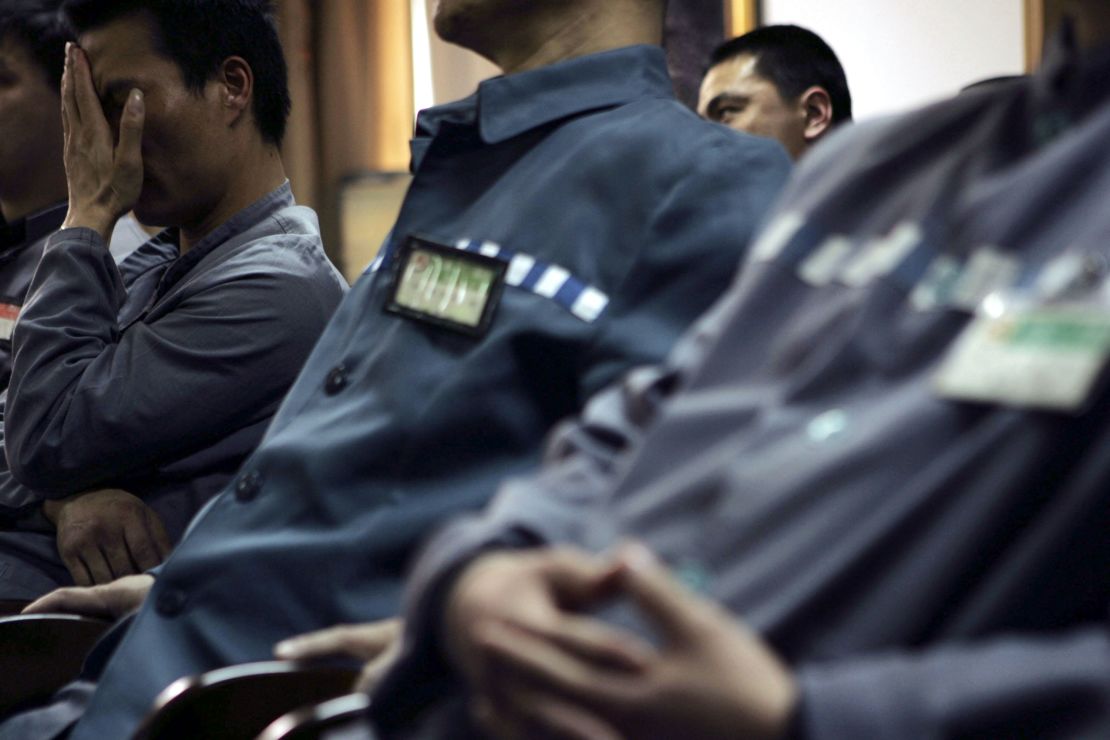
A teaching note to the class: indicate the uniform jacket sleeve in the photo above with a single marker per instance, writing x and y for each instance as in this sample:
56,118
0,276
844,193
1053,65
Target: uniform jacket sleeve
1009,687
90,403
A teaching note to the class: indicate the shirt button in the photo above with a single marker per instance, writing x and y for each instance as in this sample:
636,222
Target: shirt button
171,602
248,486
336,380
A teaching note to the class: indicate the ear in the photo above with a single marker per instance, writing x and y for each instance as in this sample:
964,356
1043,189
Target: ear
236,81
818,110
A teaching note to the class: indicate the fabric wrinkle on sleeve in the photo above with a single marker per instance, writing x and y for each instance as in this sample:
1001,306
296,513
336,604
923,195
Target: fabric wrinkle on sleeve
1007,687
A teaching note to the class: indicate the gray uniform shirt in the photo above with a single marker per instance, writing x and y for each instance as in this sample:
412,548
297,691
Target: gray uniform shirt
933,567
160,376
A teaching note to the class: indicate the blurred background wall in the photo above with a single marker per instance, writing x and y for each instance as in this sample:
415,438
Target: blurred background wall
360,69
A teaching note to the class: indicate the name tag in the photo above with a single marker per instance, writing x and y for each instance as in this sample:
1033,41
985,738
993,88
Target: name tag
446,287
9,312
1046,357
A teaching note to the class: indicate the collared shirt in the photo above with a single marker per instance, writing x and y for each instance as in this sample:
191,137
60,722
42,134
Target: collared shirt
587,173
21,244
809,475
160,376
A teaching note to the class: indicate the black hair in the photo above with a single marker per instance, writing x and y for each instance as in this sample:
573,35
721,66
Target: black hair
199,35
39,27
793,59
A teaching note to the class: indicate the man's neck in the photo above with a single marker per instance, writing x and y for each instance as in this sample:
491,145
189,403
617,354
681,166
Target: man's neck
253,183
558,37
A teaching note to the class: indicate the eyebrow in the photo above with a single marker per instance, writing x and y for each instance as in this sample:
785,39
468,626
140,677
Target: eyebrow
726,97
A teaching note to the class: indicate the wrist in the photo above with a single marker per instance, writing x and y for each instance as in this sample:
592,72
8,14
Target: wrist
99,220
52,510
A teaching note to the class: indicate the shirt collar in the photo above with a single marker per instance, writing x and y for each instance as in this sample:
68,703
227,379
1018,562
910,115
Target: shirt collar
242,221
509,105
33,227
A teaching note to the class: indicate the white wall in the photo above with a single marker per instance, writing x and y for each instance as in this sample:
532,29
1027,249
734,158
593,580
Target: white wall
902,53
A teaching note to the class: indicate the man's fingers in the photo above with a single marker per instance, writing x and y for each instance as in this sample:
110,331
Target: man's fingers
579,579
362,641
84,601
98,566
594,641
538,665
71,113
375,669
148,543
117,554
89,112
78,571
159,537
129,150
142,552
669,604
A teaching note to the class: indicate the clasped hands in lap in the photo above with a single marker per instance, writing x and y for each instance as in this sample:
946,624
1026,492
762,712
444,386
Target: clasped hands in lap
515,628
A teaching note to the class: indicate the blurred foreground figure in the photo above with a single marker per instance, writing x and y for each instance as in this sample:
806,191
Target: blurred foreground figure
888,455
565,224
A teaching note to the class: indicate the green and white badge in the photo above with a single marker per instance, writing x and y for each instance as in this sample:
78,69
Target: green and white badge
1036,355
448,287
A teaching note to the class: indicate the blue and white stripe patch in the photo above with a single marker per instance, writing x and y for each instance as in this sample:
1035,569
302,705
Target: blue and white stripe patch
542,278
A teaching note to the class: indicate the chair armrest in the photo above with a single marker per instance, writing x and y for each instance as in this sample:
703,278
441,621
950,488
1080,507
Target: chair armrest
240,701
309,723
45,651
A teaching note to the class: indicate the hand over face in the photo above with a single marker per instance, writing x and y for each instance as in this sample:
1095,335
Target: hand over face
375,643
711,677
105,177
108,534
110,601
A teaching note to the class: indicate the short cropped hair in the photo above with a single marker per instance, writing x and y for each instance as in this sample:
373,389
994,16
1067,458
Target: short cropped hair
198,35
793,59
39,27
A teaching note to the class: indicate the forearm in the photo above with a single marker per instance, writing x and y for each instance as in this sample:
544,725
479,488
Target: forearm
68,320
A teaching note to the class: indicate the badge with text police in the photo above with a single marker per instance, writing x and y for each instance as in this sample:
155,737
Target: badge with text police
446,287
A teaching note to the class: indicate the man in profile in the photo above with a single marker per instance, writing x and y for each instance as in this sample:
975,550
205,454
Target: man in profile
137,391
783,82
563,226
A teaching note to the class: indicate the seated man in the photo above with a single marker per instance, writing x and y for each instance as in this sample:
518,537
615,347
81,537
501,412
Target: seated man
157,378
889,455
784,82
564,225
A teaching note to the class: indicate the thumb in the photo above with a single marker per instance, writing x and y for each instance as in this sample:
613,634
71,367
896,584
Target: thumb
661,597
129,149
580,580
